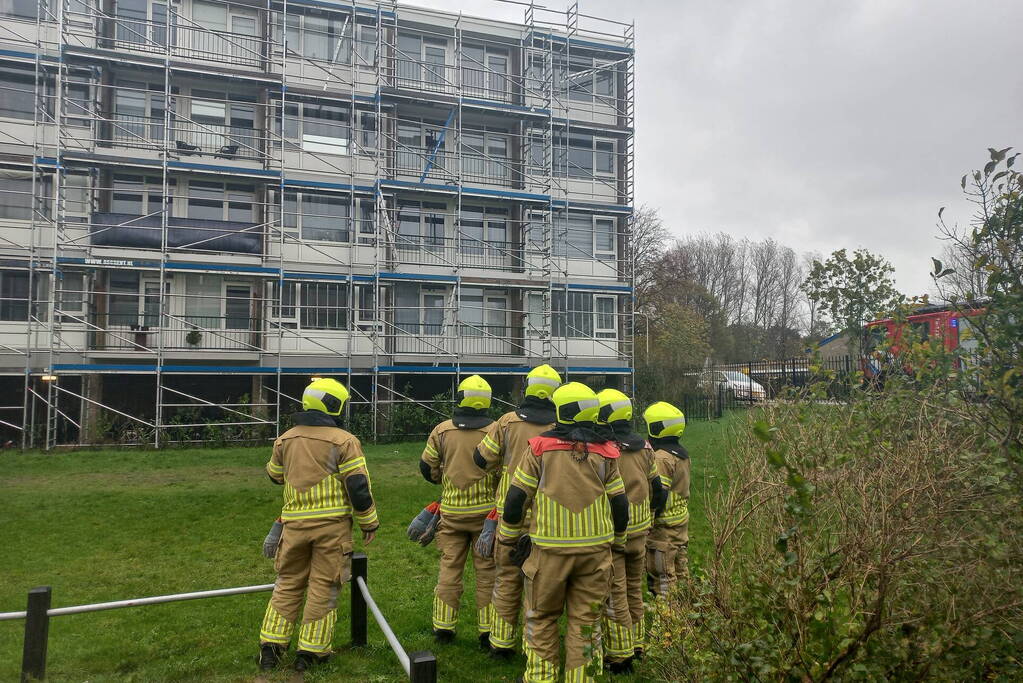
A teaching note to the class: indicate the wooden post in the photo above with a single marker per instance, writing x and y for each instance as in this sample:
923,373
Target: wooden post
422,667
37,631
358,613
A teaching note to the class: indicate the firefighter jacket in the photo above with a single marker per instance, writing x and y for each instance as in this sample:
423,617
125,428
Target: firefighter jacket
323,471
507,440
673,466
572,485
448,460
638,468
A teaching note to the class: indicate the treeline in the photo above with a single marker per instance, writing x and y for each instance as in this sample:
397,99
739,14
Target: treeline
737,299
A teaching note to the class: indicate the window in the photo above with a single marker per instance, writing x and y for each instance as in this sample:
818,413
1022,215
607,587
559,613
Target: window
72,293
17,93
534,314
584,236
318,35
212,302
366,47
221,123
485,154
483,313
421,144
584,156
143,24
238,306
583,315
123,301
139,195
318,216
484,229
77,99
365,311
139,110
419,310
421,60
13,295
318,128
484,71
16,200
23,9
367,132
324,305
222,30
606,326
587,79
421,224
215,201
285,297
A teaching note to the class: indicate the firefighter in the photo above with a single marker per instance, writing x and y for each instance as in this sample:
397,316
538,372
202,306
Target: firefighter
624,624
579,510
467,497
669,538
326,485
503,446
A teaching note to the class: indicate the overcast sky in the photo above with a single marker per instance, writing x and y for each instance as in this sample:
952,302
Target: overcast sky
821,123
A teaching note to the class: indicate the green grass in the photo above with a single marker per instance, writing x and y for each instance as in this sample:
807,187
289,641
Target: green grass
99,526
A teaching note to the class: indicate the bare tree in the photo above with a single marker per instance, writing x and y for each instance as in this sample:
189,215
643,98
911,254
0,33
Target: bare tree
646,245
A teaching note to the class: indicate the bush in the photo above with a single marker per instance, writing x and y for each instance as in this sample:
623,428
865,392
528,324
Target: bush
877,539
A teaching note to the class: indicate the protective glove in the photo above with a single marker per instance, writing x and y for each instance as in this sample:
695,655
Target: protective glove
422,521
484,545
523,547
431,529
273,539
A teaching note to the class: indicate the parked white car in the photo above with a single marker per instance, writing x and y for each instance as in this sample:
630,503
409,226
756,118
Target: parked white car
732,383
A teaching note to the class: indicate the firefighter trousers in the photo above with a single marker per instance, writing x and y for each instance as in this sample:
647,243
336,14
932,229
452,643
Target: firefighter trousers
624,622
576,584
507,598
456,535
313,560
666,558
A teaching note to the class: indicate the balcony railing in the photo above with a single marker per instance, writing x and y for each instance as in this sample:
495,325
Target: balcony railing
186,138
468,81
194,42
139,331
466,252
443,165
434,338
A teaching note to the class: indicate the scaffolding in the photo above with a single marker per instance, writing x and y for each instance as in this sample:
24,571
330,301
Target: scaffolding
210,201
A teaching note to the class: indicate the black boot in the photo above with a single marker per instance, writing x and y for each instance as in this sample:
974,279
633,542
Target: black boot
503,654
307,660
485,641
270,656
443,636
620,668
639,654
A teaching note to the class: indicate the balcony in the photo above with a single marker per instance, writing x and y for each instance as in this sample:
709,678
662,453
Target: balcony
146,232
449,251
186,139
471,82
186,41
139,332
443,166
464,339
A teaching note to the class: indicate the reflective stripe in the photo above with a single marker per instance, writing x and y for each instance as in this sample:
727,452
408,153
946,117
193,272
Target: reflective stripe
316,636
275,628
444,616
274,468
509,531
546,381
525,479
572,542
366,518
665,481
351,465
476,392
317,512
430,450
615,486
447,508
490,445
673,421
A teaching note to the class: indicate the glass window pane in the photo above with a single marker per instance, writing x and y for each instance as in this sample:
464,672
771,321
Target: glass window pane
237,307
605,235
604,157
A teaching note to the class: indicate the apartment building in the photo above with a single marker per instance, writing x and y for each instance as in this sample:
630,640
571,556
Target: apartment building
203,203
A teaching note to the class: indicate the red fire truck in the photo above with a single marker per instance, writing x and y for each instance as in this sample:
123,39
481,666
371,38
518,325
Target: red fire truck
945,323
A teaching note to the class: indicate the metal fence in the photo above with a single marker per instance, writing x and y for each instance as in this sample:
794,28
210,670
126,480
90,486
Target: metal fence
708,393
420,667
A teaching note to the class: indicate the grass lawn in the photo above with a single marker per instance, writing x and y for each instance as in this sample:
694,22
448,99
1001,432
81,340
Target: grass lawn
112,525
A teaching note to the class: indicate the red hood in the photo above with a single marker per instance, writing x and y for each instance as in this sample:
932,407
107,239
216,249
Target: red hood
542,444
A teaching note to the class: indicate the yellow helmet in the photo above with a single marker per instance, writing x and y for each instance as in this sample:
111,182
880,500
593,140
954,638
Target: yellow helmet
325,395
614,406
474,392
541,381
663,419
575,402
